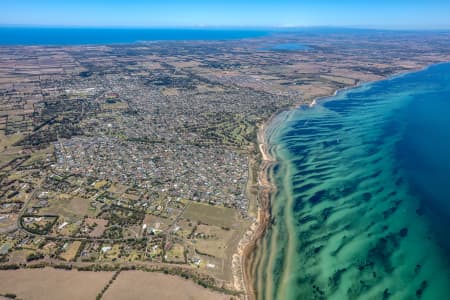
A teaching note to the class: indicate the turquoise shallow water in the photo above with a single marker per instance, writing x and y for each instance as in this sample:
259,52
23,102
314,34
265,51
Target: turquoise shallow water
362,208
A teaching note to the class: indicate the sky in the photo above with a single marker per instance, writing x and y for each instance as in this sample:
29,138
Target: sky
402,14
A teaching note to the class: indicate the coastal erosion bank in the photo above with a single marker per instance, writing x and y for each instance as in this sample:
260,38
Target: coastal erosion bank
265,190
258,192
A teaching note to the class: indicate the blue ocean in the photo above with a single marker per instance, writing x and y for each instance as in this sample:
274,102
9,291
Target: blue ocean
95,36
362,208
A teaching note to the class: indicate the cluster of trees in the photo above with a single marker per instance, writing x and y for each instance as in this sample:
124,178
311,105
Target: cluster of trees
34,256
39,229
63,267
3,258
10,267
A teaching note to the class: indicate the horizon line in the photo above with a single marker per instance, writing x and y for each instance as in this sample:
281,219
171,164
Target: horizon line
245,27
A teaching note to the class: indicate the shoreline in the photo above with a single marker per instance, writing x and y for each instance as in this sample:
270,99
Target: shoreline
265,190
362,83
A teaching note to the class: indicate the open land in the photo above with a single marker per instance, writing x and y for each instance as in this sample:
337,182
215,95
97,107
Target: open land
49,283
136,284
146,156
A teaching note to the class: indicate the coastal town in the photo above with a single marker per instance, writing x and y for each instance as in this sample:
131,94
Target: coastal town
146,156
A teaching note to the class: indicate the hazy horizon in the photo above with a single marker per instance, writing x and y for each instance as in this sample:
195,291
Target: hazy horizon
219,27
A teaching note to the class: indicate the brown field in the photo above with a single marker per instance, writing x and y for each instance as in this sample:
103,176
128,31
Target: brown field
227,227
99,228
117,188
8,140
175,254
71,251
35,284
133,285
156,222
344,80
8,223
72,208
211,215
216,241
18,256
222,249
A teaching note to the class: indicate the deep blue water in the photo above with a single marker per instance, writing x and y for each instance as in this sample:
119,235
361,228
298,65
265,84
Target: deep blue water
362,208
79,36
424,153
